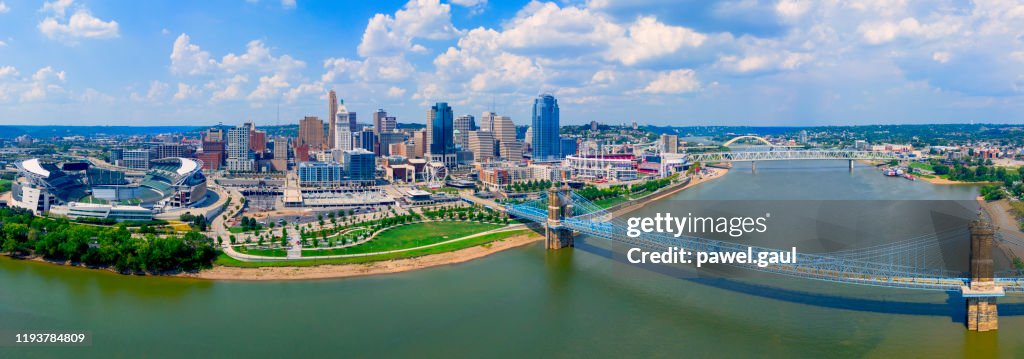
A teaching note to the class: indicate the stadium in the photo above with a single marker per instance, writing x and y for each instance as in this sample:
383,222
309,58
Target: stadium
77,189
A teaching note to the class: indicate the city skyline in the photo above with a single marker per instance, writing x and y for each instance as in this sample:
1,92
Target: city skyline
771,63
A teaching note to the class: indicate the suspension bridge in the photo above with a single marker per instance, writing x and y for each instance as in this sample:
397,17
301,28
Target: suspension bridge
909,264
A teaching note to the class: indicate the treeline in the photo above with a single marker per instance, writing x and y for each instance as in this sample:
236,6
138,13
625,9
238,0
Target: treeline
373,225
653,185
198,223
249,224
593,193
980,173
528,186
474,213
58,239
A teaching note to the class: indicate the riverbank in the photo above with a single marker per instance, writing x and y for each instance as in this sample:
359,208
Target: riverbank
363,269
939,180
1007,226
667,191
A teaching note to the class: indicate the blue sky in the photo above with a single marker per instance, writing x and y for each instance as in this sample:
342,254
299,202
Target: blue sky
684,62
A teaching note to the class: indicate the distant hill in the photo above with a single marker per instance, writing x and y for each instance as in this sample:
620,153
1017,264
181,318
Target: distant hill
12,131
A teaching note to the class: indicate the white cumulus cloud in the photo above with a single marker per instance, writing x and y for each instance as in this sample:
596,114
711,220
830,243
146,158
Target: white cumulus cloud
387,35
82,25
674,82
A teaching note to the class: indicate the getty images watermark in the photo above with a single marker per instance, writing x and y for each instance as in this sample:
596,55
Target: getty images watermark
677,226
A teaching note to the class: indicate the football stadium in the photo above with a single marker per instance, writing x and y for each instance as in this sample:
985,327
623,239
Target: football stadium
79,190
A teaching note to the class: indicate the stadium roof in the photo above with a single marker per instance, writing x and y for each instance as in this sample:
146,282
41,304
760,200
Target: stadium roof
33,166
187,166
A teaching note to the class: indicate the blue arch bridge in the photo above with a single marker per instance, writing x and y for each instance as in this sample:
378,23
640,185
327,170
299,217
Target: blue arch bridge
903,264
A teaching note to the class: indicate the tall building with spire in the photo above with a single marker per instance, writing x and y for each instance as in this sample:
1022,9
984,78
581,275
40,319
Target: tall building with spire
342,131
332,99
545,139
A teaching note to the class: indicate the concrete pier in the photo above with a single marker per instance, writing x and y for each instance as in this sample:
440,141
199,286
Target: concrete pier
753,167
982,314
851,165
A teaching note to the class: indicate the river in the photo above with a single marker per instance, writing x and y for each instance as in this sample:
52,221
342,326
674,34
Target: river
519,303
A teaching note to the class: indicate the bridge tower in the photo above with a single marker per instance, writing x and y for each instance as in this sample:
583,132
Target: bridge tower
982,314
559,206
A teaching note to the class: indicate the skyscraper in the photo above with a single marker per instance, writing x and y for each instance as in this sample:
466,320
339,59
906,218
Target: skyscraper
342,131
352,127
487,121
281,148
386,139
214,134
333,109
379,117
440,133
240,157
481,143
545,140
669,143
568,146
238,142
280,161
311,133
360,166
504,134
366,140
343,139
419,144
463,125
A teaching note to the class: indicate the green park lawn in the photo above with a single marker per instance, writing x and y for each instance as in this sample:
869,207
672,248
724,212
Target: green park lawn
227,261
276,252
611,201
410,236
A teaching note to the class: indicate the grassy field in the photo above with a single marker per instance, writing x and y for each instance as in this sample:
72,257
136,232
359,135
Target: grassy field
5,185
609,202
277,252
237,230
919,165
91,199
410,236
224,260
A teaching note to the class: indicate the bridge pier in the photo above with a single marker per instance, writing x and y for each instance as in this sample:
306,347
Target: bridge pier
982,313
753,166
851,165
559,206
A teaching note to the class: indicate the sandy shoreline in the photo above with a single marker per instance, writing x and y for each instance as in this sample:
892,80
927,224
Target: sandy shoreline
937,180
363,269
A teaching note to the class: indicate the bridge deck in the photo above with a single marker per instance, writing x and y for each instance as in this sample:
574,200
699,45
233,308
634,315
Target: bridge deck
863,268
